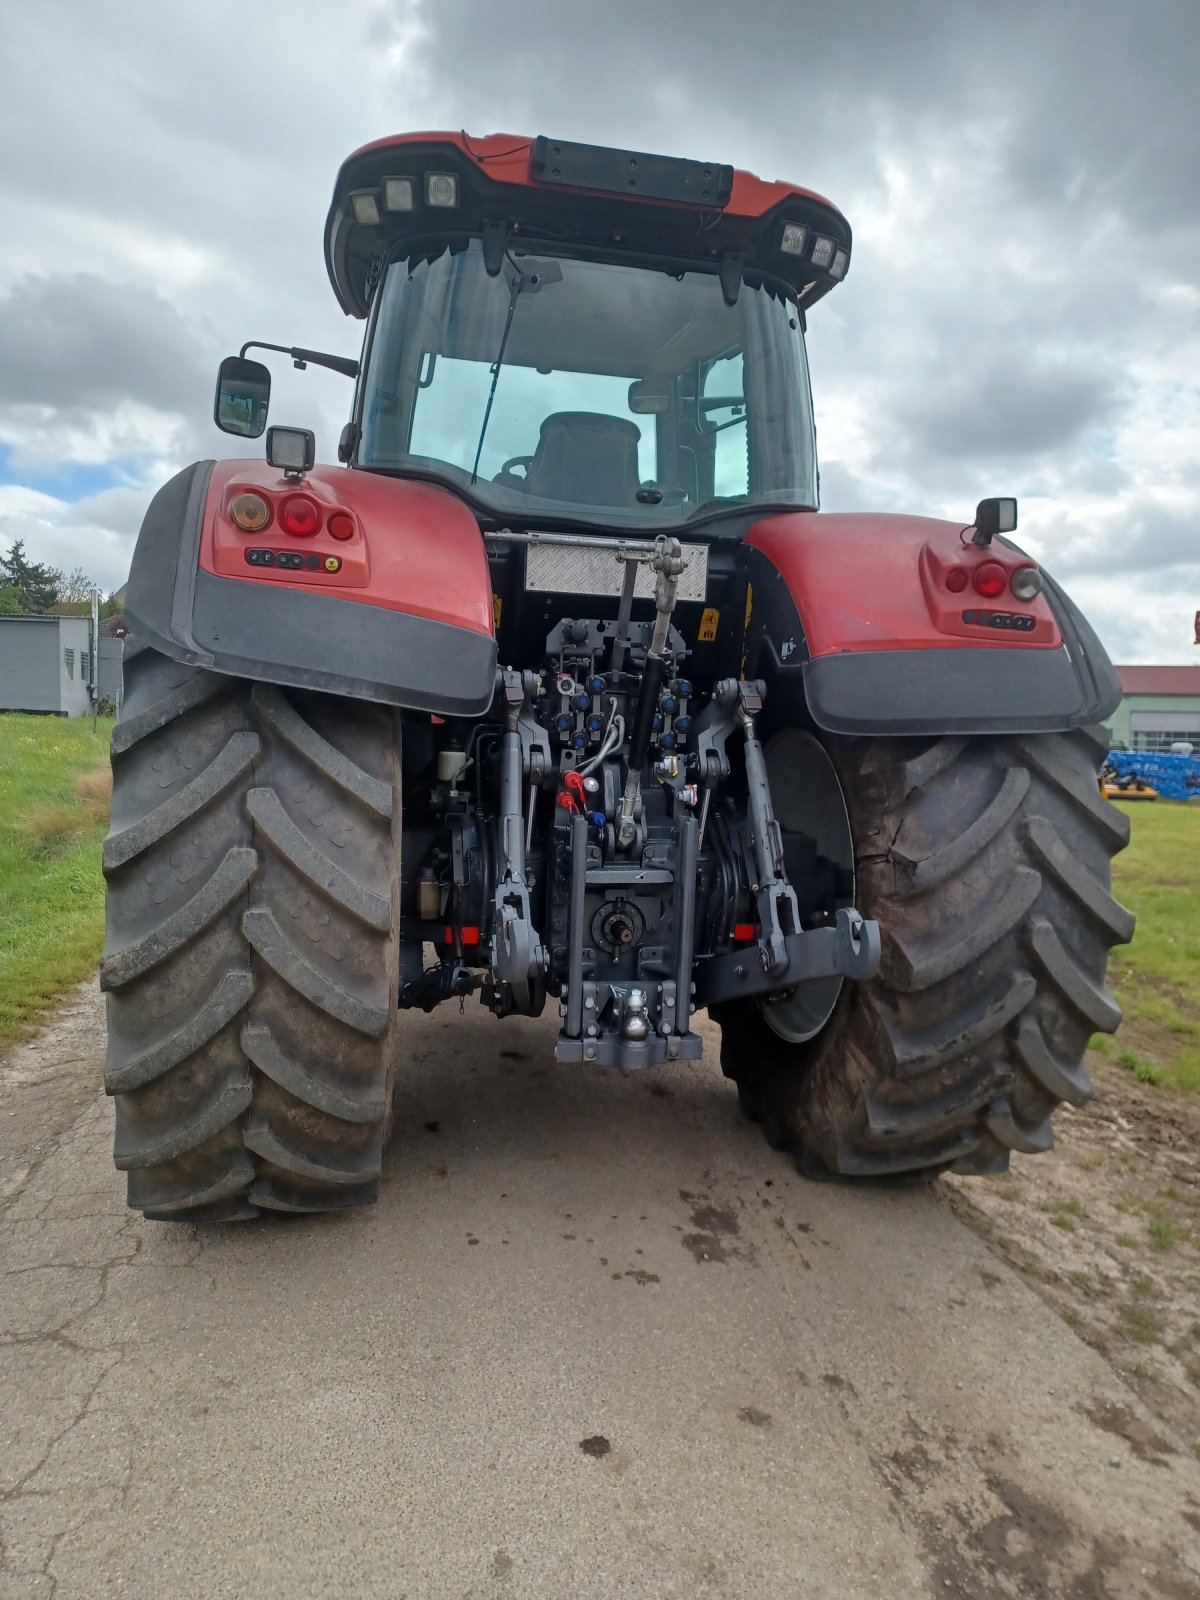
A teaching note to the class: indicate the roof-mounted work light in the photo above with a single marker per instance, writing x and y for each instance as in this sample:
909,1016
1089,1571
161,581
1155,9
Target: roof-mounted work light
823,251
365,205
397,194
795,237
441,190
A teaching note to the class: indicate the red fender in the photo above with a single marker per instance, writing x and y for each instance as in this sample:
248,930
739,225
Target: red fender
864,581
413,548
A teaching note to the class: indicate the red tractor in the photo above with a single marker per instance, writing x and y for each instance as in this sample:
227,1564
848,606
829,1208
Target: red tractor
559,689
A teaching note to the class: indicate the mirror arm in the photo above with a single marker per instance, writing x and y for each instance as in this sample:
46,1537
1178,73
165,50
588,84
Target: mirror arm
343,364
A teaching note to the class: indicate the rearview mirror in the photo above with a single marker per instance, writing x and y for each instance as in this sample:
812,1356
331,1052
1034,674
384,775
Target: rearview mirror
650,397
243,395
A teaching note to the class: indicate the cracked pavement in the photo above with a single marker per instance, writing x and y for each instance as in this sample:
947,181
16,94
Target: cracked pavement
595,1340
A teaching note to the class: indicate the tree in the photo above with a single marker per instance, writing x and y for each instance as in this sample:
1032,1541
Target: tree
10,601
36,585
77,586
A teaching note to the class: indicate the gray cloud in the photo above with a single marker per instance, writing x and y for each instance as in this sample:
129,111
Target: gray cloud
1022,180
1014,409
78,342
1153,544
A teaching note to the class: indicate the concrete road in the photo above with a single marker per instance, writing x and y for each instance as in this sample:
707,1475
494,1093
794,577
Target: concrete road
596,1340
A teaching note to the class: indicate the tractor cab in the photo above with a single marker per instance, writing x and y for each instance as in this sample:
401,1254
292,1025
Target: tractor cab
563,332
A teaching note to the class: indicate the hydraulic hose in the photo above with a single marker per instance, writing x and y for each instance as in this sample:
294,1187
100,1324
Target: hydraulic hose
668,563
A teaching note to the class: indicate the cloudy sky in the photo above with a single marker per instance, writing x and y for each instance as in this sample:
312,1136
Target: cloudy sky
1022,315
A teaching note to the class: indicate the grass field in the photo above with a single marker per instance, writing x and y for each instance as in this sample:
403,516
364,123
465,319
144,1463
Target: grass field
1157,977
54,788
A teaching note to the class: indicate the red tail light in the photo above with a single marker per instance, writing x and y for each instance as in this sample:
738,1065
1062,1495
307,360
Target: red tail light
991,579
299,516
956,580
341,526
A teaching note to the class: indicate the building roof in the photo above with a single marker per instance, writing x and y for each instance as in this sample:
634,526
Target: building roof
1160,680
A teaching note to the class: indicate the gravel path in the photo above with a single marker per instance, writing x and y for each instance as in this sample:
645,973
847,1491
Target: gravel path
596,1340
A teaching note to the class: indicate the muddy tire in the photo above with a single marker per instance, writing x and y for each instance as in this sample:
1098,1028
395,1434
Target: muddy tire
986,862
250,961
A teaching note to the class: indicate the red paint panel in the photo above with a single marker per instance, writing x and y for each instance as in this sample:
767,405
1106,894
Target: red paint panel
864,581
413,548
504,157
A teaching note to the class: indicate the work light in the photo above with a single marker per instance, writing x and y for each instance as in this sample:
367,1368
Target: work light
795,236
365,205
397,194
822,251
441,189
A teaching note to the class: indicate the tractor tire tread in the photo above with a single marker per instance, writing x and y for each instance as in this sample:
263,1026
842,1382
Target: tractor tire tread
250,963
987,862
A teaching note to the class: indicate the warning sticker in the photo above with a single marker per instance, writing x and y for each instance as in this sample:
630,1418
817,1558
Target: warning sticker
497,608
708,625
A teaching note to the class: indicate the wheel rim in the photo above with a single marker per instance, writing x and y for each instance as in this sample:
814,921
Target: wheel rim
808,801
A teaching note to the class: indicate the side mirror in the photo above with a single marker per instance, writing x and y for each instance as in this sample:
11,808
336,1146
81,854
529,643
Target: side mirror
243,395
993,517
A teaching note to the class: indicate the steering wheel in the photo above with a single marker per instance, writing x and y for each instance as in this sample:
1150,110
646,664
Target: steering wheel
516,461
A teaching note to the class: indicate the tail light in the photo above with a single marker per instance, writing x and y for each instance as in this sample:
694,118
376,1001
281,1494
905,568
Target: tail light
991,579
299,516
956,580
341,526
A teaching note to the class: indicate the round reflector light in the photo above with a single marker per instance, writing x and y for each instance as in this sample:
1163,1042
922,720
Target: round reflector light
991,580
299,516
956,580
1026,583
341,526
251,512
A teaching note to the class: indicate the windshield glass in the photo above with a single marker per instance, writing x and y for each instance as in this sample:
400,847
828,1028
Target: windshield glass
624,394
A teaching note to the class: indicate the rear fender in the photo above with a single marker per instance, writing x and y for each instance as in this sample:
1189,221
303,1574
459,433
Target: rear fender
400,611
855,610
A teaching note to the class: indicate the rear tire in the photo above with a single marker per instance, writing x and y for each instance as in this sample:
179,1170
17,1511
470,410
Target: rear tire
986,862
250,963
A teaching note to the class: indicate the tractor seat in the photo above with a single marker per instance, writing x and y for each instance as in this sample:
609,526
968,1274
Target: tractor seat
587,457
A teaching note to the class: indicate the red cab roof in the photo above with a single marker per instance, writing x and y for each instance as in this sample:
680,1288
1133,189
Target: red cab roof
589,197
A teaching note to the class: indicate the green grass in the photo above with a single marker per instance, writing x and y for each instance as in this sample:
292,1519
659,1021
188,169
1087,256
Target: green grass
53,815
1157,977
1162,1233
1141,1325
52,902
1143,1069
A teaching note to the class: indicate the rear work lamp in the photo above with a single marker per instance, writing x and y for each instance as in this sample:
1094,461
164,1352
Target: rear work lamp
795,237
365,205
397,194
441,190
822,252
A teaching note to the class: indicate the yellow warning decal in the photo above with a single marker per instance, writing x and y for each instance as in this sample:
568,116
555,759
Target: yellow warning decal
746,630
708,625
497,608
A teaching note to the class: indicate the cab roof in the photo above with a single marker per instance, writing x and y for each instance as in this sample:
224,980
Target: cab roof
416,194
